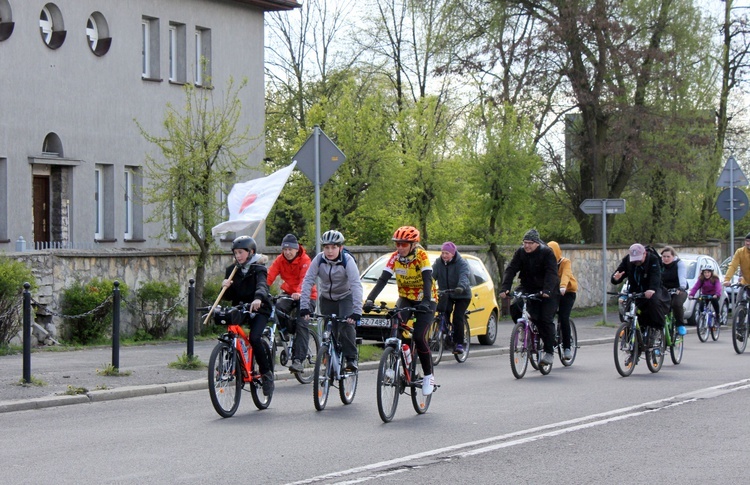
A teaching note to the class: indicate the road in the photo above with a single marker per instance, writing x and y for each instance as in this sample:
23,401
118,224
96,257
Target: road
583,424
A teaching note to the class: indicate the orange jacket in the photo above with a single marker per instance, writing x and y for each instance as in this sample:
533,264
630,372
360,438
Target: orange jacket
564,269
292,273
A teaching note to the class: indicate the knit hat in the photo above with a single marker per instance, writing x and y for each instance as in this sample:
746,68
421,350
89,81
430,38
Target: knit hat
289,241
748,236
449,247
636,252
533,235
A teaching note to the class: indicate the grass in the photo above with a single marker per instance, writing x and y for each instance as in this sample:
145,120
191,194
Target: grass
370,352
35,381
108,370
74,391
186,362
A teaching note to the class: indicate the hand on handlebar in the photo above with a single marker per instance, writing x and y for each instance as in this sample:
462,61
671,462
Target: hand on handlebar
368,306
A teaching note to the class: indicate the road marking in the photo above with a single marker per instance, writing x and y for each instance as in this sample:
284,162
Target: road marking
520,437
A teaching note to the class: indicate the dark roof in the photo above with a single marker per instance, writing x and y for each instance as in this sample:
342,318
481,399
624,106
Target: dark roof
272,5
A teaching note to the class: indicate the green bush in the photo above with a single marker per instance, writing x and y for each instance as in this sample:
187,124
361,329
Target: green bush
157,308
13,274
89,299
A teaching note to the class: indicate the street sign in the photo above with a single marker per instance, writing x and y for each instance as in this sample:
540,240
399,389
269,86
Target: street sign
731,175
740,204
596,206
330,157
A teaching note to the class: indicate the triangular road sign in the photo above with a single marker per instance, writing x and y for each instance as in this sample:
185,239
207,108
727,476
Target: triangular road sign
732,175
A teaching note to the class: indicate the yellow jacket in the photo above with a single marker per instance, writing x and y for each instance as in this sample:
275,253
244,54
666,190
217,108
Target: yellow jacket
741,258
564,269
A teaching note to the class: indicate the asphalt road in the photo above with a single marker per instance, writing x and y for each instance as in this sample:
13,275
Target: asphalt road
583,424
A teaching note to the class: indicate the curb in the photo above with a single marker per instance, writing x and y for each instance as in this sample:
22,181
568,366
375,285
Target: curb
199,384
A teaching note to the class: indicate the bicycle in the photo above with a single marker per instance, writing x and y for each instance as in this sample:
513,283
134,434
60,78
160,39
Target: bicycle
672,338
440,335
740,324
232,365
631,341
559,342
707,320
525,341
399,367
279,337
330,368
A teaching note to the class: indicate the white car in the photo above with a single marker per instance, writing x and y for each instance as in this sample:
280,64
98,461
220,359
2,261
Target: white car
730,292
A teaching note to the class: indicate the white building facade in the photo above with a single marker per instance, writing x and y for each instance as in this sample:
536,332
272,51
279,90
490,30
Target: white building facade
74,77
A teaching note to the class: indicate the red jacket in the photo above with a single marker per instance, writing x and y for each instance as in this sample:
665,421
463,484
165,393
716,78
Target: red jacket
292,273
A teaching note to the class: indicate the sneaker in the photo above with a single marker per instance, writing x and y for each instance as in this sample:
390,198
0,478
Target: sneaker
296,366
628,361
351,365
567,354
459,349
428,385
682,330
268,383
548,358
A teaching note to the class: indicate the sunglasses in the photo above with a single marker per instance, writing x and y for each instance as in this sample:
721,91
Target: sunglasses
402,244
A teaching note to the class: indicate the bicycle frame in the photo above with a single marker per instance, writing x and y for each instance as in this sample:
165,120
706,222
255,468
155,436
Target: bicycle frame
531,333
236,337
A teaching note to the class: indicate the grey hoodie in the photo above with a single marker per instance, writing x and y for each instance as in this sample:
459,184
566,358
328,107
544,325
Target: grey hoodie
336,280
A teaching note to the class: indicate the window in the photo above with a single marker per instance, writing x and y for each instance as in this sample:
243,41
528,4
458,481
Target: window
104,203
51,26
202,60
133,208
6,22
177,60
150,48
99,203
97,34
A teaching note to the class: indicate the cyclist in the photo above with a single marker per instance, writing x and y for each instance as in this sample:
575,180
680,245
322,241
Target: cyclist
536,266
411,266
643,271
568,289
741,259
674,277
708,284
292,265
451,272
249,285
340,291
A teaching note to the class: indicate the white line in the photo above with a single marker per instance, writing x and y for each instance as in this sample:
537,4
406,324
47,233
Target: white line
546,430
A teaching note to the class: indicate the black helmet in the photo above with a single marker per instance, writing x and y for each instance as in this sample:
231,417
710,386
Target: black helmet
245,242
332,237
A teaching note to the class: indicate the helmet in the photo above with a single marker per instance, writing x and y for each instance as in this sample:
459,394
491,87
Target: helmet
707,268
245,242
332,237
406,234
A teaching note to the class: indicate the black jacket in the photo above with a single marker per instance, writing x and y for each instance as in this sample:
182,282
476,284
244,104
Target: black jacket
246,288
452,275
538,271
646,276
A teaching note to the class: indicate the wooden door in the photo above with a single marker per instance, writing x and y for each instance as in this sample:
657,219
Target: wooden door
41,209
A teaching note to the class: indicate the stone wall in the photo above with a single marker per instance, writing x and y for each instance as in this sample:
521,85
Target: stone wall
57,269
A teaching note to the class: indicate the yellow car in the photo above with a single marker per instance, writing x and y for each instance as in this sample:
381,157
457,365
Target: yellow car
482,323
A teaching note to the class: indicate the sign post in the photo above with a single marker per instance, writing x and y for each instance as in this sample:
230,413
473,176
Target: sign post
603,207
731,205
318,158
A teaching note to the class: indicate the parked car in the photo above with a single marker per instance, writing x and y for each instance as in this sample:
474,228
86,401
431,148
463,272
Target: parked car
693,264
482,324
730,292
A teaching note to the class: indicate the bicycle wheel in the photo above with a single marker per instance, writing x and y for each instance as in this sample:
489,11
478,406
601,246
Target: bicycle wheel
308,363
466,343
321,377
435,341
420,402
260,400
519,354
702,327
389,383
626,350
348,386
739,329
573,344
224,379
716,329
655,350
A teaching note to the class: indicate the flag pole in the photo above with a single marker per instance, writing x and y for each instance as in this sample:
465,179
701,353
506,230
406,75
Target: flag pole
231,276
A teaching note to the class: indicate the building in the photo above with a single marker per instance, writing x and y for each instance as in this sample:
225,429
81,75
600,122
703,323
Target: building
74,77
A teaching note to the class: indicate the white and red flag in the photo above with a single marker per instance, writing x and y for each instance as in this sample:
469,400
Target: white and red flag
251,201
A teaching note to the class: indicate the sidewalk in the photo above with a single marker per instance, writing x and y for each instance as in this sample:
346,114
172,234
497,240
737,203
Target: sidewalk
71,377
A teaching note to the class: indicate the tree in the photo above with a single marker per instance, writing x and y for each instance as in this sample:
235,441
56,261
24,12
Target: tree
203,151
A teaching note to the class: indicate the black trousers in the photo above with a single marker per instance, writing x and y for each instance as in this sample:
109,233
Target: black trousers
542,314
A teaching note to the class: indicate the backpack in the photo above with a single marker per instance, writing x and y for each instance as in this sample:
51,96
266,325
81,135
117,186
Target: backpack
344,252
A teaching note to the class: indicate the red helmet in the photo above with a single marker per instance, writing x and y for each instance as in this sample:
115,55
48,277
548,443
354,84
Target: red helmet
406,234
